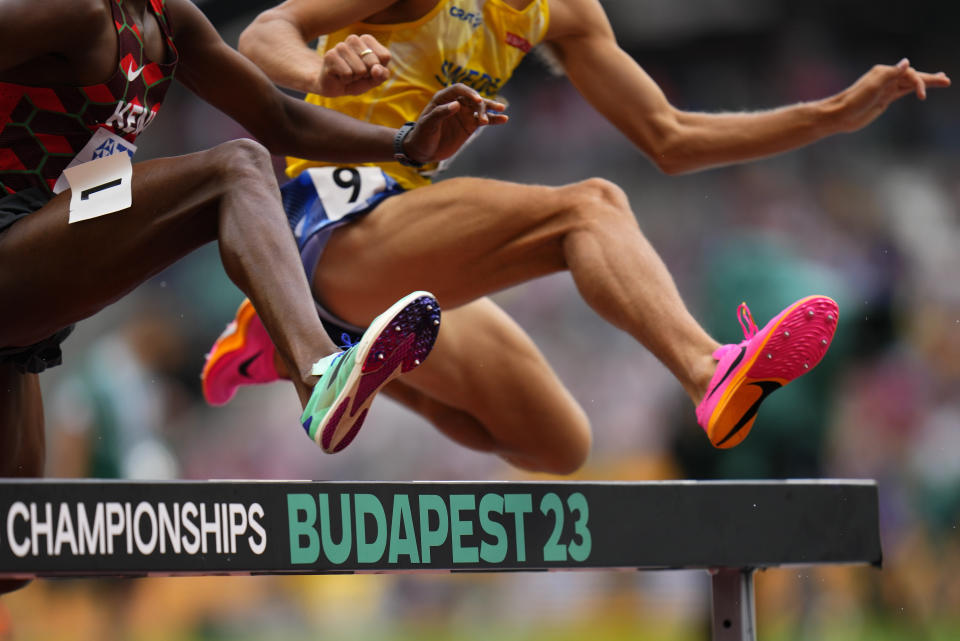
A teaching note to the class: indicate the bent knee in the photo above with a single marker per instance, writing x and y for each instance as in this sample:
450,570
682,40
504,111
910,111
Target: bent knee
599,200
242,160
600,191
566,450
573,456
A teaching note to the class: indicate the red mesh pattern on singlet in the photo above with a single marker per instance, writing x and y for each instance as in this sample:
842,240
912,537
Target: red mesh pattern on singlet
43,128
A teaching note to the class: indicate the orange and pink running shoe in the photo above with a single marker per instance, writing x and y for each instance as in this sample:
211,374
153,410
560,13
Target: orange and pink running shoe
789,346
242,355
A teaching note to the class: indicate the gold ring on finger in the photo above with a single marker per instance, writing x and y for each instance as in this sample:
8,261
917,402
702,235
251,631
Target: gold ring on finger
365,52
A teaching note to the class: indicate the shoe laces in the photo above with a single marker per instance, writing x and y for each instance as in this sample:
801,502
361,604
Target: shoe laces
322,366
346,342
746,321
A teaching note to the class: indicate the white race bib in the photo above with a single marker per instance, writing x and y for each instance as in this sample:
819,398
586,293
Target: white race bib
101,144
343,190
100,187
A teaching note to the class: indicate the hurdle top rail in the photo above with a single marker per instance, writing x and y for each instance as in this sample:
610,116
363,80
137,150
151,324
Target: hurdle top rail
90,528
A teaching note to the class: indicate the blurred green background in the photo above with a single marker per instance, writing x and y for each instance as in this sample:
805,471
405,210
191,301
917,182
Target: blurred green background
870,219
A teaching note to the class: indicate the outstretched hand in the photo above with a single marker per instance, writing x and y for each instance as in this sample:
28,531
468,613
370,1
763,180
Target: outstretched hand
448,120
870,96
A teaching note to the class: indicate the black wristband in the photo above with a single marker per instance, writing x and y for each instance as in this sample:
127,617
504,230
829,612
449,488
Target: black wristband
398,153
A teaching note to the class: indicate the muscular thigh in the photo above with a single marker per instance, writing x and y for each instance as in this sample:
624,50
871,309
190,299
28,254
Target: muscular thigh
460,239
53,273
484,364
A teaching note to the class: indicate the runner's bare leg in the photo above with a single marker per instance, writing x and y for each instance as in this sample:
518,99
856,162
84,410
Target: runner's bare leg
21,432
54,274
228,194
464,238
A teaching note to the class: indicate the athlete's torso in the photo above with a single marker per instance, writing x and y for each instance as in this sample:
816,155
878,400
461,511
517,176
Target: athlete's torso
42,128
476,42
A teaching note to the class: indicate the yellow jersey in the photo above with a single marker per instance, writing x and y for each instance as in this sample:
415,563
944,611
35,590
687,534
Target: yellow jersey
476,42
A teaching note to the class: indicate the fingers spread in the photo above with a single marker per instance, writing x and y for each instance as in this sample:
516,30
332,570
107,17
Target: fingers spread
914,81
479,109
430,120
934,79
471,108
493,105
458,91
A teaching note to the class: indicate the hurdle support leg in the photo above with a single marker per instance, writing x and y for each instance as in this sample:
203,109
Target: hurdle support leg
734,614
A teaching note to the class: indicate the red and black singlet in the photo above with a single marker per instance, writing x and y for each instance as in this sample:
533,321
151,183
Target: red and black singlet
43,128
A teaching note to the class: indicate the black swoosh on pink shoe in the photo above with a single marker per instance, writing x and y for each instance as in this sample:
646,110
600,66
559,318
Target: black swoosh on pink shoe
767,388
244,367
733,366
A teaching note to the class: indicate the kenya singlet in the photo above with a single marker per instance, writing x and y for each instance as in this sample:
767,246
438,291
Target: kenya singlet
42,129
475,42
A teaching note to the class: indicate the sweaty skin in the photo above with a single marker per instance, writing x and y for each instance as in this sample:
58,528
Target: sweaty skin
486,385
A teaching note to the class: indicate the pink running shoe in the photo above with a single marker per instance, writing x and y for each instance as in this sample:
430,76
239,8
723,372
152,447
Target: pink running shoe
789,346
243,355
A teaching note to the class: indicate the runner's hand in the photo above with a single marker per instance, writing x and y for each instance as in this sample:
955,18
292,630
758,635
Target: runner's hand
868,97
353,66
448,120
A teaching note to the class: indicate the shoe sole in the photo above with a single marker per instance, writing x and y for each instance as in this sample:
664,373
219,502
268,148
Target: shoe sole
226,353
398,341
793,345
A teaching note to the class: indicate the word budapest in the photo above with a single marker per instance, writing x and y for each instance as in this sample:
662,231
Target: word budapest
80,529
419,529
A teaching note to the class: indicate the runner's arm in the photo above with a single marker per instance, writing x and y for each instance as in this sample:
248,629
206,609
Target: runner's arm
681,141
278,41
233,84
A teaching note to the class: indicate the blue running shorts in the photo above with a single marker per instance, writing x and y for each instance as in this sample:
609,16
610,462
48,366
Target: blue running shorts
318,201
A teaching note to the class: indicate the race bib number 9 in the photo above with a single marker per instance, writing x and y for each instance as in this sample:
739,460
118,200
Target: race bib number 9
343,190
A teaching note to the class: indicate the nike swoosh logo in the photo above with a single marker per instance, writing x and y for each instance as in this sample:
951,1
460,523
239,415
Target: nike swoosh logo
767,388
733,366
131,74
245,365
336,370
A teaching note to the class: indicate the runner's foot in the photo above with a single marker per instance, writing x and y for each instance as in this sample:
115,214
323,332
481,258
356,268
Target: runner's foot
396,342
242,355
789,346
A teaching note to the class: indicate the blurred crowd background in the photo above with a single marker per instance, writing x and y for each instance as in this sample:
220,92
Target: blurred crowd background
869,218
